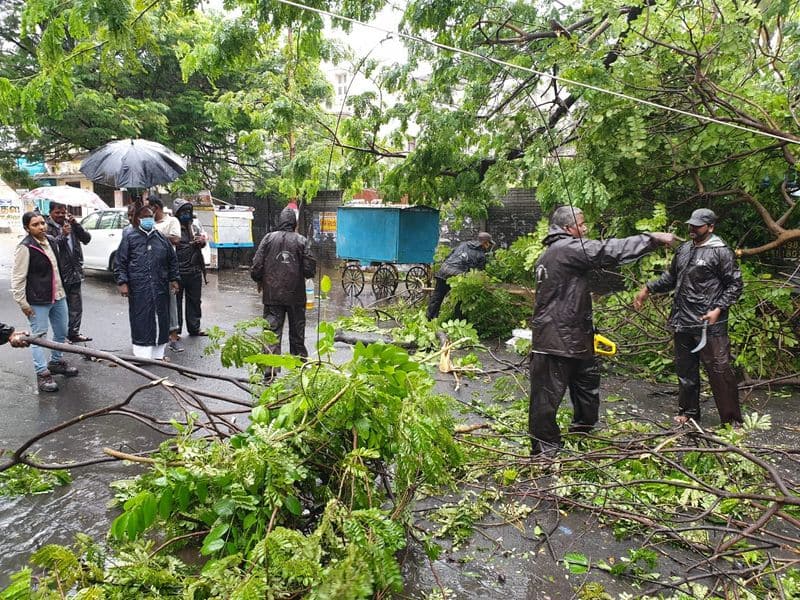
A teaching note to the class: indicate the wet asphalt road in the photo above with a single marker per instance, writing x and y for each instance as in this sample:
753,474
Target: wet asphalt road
27,523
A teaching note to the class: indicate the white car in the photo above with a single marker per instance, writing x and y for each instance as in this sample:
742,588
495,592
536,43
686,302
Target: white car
106,227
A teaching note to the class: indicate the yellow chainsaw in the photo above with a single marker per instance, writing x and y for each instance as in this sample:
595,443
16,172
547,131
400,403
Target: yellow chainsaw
604,346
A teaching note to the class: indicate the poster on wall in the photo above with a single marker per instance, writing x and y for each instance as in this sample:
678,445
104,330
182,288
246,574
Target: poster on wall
324,226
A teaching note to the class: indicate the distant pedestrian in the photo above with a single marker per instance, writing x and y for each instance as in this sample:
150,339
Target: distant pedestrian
37,288
170,228
190,265
707,282
70,235
465,257
280,266
147,273
562,355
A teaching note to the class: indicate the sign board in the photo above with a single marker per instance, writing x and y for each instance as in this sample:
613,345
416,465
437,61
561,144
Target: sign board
10,214
324,226
789,251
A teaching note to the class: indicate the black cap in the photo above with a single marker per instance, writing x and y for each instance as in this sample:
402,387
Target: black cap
702,216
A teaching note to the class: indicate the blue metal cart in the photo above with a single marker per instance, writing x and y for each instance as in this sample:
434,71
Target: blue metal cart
386,235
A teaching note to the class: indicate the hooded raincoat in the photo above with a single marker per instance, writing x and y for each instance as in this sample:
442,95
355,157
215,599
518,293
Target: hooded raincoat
562,315
283,262
704,277
281,265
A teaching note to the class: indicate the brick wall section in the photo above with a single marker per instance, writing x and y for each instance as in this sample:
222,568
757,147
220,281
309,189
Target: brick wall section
516,214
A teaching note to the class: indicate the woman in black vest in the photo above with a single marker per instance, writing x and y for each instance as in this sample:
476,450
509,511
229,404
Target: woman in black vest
37,288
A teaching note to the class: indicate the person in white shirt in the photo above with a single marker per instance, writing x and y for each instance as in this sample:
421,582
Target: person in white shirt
170,228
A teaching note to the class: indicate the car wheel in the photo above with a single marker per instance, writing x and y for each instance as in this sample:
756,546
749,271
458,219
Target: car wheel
112,262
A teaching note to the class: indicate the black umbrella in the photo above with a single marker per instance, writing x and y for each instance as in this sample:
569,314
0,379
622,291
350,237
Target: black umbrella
133,164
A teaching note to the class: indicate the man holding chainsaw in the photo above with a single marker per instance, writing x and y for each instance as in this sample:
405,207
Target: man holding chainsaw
707,281
563,331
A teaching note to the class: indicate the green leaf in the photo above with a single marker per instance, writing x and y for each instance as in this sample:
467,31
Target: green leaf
576,563
213,541
293,505
165,503
259,414
286,361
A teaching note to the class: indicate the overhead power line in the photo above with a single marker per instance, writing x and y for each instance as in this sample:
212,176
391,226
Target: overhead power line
550,76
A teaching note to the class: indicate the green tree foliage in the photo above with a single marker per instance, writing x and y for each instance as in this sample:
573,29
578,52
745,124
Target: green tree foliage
310,500
486,125
480,122
241,101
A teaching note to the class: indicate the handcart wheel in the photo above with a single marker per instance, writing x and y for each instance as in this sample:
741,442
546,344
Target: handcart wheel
384,281
352,280
417,278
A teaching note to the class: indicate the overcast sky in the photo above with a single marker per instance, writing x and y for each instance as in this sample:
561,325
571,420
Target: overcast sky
362,39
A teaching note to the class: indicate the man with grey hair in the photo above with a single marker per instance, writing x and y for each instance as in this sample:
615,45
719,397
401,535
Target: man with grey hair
563,330
707,281
465,257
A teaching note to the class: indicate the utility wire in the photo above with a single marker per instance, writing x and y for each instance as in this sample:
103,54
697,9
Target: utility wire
550,76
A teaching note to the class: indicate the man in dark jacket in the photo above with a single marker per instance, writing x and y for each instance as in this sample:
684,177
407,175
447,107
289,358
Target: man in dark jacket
707,281
465,257
190,264
563,330
69,235
281,265
146,271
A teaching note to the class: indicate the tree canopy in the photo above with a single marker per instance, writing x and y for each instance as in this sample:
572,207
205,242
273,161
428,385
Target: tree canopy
610,106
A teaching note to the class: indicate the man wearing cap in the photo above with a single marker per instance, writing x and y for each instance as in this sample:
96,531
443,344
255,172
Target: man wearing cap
707,281
465,257
562,342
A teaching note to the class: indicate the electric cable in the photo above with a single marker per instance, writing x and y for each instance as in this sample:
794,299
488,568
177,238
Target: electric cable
549,76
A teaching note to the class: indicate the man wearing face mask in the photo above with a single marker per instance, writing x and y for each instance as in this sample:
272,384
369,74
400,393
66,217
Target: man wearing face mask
147,272
707,281
190,265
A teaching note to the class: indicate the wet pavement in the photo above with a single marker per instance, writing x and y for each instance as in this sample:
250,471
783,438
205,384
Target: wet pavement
508,562
29,522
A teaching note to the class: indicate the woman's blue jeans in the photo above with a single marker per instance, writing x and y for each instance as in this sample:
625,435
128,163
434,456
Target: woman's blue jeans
55,314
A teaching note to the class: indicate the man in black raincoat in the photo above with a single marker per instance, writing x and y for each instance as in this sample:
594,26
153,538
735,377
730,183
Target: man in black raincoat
146,271
464,257
280,266
707,281
563,330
